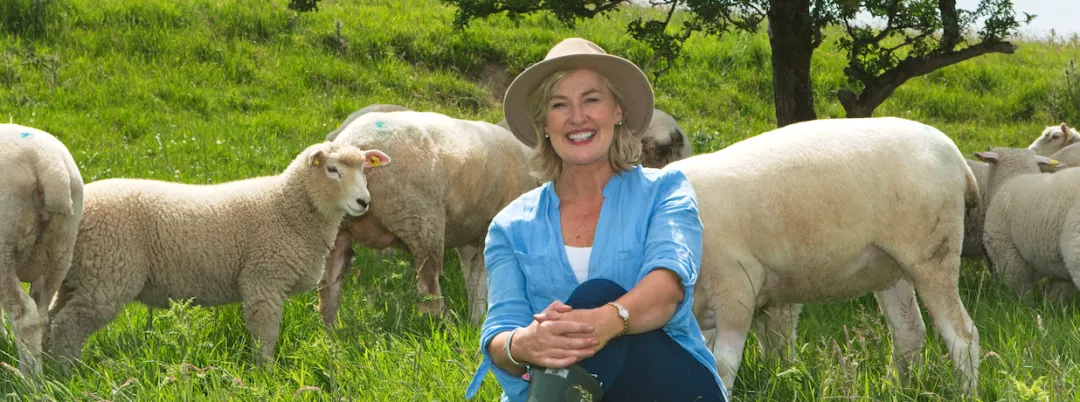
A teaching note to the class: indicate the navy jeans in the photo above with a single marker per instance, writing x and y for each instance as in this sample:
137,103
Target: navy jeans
643,367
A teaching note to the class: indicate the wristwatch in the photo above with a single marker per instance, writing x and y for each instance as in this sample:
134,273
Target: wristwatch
624,314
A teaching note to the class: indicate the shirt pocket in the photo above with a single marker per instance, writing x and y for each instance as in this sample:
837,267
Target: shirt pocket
539,282
630,259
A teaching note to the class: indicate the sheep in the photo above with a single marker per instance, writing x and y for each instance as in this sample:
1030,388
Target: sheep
375,107
451,178
1041,239
1054,138
1069,156
256,241
664,141
975,215
40,208
828,210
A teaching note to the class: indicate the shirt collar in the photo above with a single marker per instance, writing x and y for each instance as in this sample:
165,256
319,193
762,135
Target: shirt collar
609,190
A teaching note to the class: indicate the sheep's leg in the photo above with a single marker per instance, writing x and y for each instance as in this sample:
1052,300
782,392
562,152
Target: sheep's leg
87,310
897,302
55,257
730,288
26,322
774,328
337,261
1006,260
1059,291
935,280
472,268
425,235
262,314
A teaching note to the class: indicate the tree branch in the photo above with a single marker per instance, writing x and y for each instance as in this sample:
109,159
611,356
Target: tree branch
950,24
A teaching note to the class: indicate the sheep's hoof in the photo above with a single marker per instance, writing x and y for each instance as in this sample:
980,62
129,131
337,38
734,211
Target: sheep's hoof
433,308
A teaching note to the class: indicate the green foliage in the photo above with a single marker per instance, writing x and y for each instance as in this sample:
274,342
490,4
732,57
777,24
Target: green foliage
31,18
302,6
205,92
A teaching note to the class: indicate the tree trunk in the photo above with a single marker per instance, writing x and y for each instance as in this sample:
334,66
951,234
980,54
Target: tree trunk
791,36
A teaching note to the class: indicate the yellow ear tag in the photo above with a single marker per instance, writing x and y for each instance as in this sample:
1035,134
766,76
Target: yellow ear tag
315,162
375,161
1054,162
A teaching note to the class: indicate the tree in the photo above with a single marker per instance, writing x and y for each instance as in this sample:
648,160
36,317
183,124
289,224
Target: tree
918,37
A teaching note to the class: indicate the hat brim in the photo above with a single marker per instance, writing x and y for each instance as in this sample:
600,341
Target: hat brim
631,81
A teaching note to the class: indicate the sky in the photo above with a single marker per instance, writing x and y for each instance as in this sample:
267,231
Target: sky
1063,16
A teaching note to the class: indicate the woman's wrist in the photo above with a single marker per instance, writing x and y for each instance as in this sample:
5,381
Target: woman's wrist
514,350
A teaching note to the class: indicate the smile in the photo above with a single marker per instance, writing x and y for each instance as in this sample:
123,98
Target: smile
581,137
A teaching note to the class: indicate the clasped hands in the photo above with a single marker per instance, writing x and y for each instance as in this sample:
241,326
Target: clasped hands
560,335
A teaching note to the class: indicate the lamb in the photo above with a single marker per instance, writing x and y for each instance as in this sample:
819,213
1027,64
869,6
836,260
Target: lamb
662,143
1041,239
255,241
1054,138
40,208
451,178
808,213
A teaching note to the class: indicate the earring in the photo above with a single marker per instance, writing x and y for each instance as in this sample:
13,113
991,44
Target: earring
619,123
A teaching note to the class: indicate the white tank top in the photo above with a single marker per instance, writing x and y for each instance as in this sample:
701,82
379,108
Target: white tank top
579,261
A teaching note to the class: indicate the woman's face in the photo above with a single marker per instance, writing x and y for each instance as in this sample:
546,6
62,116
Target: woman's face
580,120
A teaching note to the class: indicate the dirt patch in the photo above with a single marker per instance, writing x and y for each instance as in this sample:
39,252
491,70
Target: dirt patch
495,78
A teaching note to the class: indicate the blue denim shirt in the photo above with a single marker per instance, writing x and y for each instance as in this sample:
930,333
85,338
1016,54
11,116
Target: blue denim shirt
649,220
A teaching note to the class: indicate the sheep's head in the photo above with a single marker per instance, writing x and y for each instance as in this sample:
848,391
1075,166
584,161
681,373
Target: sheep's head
338,172
1006,163
1053,138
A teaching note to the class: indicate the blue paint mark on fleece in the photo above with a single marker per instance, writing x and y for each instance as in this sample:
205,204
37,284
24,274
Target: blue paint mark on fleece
26,135
380,124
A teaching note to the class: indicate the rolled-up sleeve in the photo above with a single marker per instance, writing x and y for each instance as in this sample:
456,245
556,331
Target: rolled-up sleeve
673,239
508,307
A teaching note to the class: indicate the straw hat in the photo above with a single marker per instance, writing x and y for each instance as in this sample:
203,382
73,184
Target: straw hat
580,53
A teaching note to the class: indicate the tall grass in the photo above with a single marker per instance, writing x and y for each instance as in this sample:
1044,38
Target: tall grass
201,91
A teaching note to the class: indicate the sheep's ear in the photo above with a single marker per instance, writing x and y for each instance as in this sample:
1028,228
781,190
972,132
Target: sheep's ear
316,157
1043,161
987,156
375,157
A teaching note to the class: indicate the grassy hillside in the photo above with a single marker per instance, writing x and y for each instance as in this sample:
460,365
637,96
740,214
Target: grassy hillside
201,91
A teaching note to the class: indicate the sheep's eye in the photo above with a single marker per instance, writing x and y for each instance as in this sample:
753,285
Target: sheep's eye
1054,136
331,169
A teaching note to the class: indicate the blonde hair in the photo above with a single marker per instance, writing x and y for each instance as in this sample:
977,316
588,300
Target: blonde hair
545,164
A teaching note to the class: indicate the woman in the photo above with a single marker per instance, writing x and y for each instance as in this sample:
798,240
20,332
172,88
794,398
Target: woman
621,244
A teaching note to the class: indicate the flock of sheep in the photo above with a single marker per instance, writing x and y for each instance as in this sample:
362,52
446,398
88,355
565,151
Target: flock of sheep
812,212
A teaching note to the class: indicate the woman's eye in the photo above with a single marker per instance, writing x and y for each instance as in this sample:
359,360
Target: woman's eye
331,169
558,105
592,100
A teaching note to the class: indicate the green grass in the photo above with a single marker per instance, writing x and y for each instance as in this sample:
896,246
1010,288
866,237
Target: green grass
201,91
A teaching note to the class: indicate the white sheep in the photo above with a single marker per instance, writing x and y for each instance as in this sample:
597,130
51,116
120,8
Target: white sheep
255,241
450,179
1032,228
829,210
1069,156
662,143
375,107
974,216
40,207
1054,138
